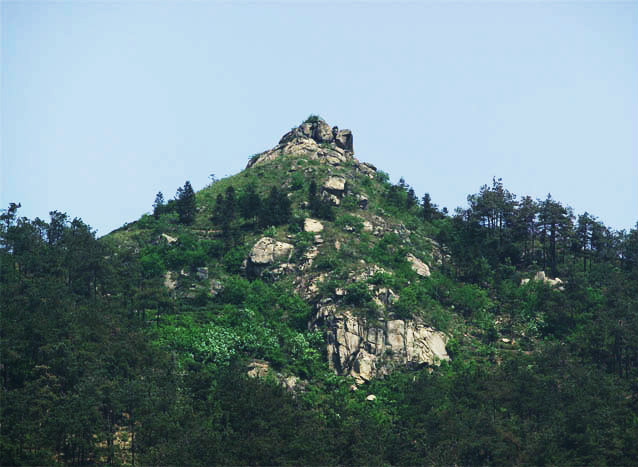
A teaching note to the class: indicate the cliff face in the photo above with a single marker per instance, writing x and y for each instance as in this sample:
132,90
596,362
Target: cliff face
365,348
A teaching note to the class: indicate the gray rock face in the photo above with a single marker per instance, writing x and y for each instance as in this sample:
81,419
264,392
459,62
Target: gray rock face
343,139
335,185
364,349
169,282
541,277
267,250
168,238
418,266
312,225
332,199
315,140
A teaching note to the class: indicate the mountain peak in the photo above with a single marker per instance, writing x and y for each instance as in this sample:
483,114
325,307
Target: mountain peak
314,138
318,130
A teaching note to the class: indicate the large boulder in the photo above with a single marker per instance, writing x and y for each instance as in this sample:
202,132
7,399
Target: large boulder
322,133
312,225
343,139
169,282
418,266
168,238
267,250
542,277
335,185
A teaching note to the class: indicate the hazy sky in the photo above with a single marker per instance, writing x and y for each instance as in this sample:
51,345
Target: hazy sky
104,104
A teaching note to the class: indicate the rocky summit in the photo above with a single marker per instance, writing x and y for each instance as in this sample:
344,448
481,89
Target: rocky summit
316,140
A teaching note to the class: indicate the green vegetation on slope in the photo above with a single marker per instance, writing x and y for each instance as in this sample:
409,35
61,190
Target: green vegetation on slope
102,363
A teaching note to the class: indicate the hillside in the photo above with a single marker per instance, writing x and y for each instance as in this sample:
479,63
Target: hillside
308,311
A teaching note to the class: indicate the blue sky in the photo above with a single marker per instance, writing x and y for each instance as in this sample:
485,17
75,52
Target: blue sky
104,104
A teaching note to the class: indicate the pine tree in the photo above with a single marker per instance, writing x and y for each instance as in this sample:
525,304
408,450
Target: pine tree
158,205
230,204
218,210
249,203
186,205
429,209
411,199
276,209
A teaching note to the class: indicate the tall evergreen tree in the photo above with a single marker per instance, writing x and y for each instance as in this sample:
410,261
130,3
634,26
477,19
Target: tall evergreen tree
186,204
230,204
429,209
411,199
249,203
554,219
158,205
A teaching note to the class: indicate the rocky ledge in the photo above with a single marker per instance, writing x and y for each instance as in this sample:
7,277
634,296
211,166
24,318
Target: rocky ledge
316,140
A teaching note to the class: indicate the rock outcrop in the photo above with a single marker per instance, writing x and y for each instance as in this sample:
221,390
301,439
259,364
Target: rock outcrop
335,185
261,369
169,282
314,139
541,277
365,349
418,266
168,238
312,225
267,250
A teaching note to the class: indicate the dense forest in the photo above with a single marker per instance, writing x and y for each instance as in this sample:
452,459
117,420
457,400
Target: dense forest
108,359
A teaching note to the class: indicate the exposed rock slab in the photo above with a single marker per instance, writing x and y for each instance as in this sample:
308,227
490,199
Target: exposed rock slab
312,225
335,185
315,140
168,238
418,266
169,282
541,277
366,349
267,250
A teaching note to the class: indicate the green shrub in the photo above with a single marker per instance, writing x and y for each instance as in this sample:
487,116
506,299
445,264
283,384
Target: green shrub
328,262
147,222
152,264
297,181
470,299
312,118
349,220
358,294
234,259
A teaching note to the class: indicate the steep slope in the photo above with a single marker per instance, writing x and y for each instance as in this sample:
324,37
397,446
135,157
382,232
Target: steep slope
349,265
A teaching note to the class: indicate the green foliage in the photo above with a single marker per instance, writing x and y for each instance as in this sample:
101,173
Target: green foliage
297,182
276,209
312,118
348,220
318,207
152,264
328,262
358,294
389,252
234,258
186,204
94,346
